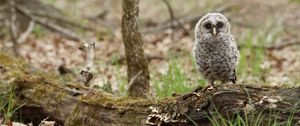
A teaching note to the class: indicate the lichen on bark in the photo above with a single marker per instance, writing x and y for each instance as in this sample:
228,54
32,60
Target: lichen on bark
137,70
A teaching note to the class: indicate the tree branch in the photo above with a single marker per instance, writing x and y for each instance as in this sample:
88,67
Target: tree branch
48,24
13,28
173,19
182,20
28,31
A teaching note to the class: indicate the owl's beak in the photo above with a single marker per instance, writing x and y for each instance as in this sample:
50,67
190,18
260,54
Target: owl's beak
214,31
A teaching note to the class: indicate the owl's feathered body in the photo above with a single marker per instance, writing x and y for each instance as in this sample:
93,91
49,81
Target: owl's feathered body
215,49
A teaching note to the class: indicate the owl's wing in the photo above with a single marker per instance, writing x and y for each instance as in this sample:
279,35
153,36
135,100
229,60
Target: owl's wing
233,79
235,56
234,49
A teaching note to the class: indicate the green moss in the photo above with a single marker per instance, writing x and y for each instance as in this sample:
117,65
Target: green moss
13,67
9,61
45,88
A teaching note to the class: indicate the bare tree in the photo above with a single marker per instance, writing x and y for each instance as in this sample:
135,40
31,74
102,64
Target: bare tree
137,71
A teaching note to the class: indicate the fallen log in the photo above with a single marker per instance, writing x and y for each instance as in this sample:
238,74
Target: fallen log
70,103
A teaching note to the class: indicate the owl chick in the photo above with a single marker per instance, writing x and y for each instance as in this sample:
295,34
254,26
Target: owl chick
215,49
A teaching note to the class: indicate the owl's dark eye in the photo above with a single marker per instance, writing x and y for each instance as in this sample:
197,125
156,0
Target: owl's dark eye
220,25
207,25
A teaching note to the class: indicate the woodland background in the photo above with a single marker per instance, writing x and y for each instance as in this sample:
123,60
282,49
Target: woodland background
267,34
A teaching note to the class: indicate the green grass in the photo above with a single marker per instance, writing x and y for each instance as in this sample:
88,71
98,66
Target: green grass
253,49
251,56
7,106
251,119
121,80
175,81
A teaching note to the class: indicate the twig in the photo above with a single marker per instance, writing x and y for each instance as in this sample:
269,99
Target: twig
149,58
274,47
134,78
16,38
100,16
63,20
182,20
44,22
28,31
284,45
42,122
13,28
86,75
166,2
59,29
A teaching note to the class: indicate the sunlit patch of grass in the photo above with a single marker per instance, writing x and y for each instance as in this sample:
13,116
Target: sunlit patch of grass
176,80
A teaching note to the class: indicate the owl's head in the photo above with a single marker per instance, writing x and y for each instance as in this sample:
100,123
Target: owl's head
212,23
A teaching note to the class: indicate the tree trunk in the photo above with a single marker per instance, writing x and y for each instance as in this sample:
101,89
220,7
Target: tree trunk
137,70
71,104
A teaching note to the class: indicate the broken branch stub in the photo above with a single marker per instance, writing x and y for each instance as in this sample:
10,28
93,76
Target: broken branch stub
86,75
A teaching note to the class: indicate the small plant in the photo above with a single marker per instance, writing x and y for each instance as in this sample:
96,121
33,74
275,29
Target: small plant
121,80
7,106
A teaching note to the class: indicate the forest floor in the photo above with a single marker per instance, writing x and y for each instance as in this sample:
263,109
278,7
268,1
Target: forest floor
267,33
262,29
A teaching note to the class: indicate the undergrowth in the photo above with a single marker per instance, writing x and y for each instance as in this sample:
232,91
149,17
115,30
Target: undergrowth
269,118
7,107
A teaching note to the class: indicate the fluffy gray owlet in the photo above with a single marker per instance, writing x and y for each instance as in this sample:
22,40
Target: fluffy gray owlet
215,49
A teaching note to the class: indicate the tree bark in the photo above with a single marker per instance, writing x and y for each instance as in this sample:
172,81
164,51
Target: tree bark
137,70
69,103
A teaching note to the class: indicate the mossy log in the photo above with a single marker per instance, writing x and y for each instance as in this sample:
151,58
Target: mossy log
69,103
